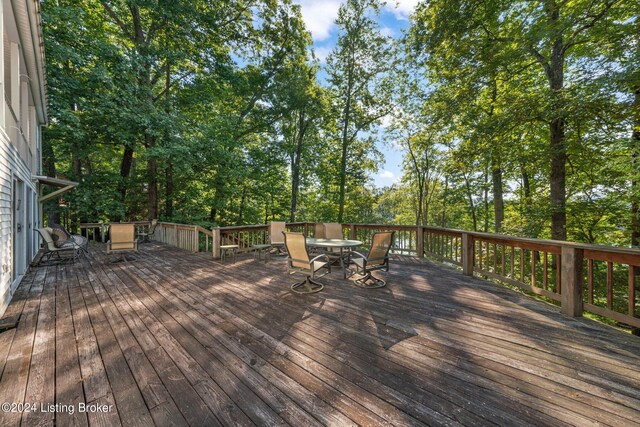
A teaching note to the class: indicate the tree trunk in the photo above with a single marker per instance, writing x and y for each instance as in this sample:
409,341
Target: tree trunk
168,190
557,139
422,183
443,222
498,200
295,164
152,171
472,206
496,170
242,205
486,199
168,172
345,143
557,180
125,171
635,181
343,164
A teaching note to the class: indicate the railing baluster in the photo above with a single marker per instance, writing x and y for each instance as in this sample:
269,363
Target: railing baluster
609,285
590,281
533,268
495,259
631,290
545,271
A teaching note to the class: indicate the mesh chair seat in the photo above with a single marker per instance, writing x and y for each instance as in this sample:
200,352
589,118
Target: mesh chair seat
376,259
122,239
300,261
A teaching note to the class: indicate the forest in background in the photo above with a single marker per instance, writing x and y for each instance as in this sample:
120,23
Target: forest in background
518,117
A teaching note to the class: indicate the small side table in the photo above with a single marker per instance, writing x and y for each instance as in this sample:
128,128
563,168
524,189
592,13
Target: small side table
225,248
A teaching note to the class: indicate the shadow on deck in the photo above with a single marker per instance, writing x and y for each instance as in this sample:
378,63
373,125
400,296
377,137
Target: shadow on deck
177,338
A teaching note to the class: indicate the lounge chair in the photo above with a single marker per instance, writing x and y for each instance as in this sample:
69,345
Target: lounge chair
299,260
68,247
122,239
376,259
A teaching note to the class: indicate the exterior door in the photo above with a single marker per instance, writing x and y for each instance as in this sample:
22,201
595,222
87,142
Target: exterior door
19,231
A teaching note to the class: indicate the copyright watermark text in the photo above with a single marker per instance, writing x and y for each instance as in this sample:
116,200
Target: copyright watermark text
70,409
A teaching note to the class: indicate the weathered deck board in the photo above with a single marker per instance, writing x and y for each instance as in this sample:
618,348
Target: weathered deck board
173,338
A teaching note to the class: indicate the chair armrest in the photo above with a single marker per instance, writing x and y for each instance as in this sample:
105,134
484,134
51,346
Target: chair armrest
317,258
358,254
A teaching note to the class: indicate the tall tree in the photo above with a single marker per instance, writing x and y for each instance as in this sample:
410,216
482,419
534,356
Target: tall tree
355,68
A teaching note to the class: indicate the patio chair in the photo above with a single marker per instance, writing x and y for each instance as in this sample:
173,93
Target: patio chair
122,239
146,235
376,259
59,234
66,247
276,230
333,230
299,260
318,230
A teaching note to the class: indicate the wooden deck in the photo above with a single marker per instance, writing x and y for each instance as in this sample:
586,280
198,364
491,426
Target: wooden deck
174,338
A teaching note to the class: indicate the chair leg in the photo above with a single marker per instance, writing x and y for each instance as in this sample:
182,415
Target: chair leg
309,286
363,282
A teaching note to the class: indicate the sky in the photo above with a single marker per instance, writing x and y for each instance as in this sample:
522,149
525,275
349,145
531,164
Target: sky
319,17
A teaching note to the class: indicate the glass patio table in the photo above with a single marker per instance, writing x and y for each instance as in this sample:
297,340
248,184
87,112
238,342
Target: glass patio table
342,245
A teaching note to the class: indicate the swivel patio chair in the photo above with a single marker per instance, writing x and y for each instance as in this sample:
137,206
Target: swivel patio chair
276,230
333,230
146,235
300,261
318,230
376,259
122,240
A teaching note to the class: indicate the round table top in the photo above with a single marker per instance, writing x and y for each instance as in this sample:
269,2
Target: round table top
333,243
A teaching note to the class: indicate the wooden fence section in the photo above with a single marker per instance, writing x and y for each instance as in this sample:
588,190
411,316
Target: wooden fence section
599,279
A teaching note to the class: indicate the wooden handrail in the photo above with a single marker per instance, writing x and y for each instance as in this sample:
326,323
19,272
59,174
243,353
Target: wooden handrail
551,268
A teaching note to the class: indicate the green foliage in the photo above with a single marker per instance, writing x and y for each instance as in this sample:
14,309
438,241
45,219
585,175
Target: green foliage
210,113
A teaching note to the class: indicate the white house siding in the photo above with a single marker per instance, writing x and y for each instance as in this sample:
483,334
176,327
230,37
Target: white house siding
11,167
22,97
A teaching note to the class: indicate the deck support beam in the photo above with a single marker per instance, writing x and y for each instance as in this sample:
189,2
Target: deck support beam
215,242
467,254
420,241
572,281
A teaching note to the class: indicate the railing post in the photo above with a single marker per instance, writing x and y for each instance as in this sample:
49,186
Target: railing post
215,242
196,240
420,241
572,281
352,232
468,248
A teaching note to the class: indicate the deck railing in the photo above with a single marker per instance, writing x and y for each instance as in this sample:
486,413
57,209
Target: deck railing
599,279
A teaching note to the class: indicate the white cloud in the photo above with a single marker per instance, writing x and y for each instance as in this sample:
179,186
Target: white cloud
386,177
387,32
402,8
322,52
319,16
